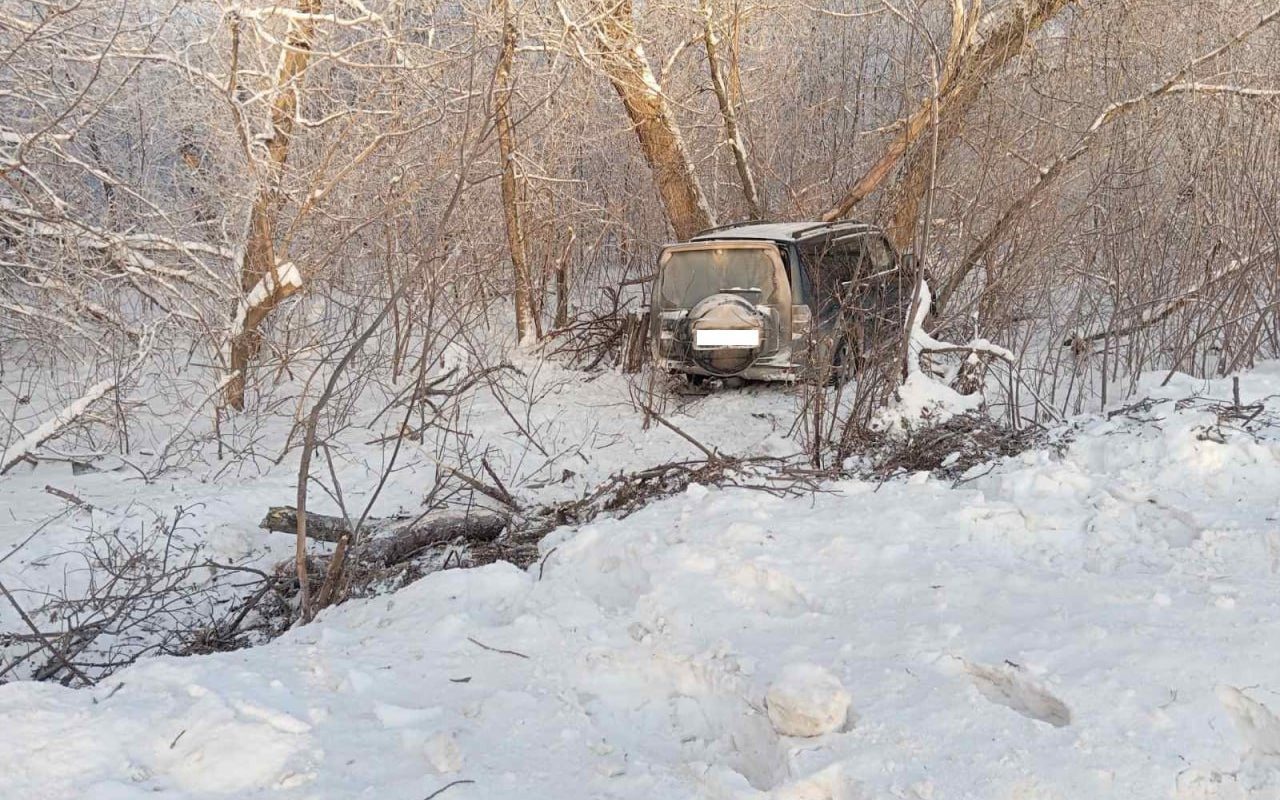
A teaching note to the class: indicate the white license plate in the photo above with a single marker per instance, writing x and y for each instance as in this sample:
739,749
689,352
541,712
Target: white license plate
737,338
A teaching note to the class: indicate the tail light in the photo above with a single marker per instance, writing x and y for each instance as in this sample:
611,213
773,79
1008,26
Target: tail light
801,321
669,324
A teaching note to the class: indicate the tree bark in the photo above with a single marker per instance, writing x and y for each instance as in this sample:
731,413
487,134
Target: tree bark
562,284
623,58
512,191
258,265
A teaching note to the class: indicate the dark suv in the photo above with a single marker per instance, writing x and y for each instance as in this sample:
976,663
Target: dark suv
779,301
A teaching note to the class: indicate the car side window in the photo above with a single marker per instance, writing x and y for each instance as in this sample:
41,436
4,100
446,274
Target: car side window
880,254
832,265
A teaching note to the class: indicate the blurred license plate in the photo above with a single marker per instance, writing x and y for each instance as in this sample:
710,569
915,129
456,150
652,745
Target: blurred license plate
738,338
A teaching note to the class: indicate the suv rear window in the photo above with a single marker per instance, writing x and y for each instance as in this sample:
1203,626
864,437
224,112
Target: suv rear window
689,276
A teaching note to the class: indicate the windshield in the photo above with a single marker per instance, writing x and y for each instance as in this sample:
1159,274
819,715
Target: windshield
691,275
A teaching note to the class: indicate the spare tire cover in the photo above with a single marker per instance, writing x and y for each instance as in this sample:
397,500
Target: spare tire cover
725,312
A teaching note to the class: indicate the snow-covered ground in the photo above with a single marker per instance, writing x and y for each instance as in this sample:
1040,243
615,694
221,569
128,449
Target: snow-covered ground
1096,622
549,433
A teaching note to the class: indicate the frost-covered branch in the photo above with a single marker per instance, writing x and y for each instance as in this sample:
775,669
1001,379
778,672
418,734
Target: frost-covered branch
130,248
919,341
53,426
277,285
1163,310
69,414
1174,83
923,394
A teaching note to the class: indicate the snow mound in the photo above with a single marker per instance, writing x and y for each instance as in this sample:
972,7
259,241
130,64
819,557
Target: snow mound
807,700
922,401
1110,583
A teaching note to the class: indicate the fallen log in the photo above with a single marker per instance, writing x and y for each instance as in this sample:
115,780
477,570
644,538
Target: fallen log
400,543
321,527
391,541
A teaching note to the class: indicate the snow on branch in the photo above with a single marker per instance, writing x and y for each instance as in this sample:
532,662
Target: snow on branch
298,17
924,397
273,287
920,341
1219,88
54,425
130,251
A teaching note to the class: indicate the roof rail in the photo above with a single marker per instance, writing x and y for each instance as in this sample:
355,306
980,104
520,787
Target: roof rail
729,225
827,225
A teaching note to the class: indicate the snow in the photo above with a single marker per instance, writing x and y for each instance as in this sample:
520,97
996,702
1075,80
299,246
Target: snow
1052,626
581,430
924,400
771,230
806,700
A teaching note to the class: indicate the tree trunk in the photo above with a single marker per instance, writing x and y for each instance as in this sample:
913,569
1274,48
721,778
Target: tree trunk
624,61
526,329
258,266
966,68
908,194
729,112
562,285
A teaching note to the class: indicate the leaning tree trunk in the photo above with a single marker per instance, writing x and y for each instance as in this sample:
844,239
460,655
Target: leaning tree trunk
974,69
264,280
526,328
624,61
925,136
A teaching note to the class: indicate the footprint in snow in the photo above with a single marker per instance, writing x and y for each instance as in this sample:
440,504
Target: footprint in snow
1007,686
1257,724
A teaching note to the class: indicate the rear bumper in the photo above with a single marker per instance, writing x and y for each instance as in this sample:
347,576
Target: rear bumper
765,369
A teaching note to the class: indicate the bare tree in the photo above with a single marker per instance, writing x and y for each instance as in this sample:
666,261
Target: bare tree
611,29
1173,84
978,49
264,280
512,189
728,109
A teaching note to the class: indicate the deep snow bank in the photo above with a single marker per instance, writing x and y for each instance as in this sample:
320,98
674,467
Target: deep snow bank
1097,624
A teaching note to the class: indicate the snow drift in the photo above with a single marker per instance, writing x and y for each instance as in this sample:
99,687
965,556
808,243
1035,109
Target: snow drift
1060,625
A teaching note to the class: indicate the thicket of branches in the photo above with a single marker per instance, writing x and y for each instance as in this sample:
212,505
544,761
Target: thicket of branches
223,211
244,182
